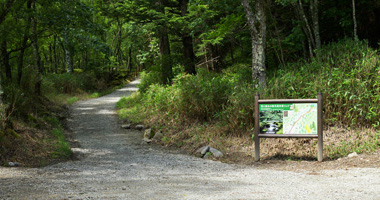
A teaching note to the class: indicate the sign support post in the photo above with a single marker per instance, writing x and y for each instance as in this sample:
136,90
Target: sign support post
320,127
257,128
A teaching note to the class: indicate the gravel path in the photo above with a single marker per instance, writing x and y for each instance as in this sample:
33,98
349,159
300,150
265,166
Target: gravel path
114,164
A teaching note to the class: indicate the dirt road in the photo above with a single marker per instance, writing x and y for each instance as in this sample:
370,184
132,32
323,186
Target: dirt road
114,164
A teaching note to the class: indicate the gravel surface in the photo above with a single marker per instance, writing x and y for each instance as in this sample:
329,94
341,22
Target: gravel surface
114,164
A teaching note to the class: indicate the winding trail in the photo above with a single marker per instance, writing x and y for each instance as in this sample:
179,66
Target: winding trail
114,164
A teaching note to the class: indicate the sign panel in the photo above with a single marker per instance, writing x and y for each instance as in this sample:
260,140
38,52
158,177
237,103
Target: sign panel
288,118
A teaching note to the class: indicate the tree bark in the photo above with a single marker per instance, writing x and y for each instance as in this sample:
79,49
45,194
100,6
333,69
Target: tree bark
257,27
354,19
315,19
55,59
20,65
187,42
164,45
69,60
7,67
129,63
166,63
36,53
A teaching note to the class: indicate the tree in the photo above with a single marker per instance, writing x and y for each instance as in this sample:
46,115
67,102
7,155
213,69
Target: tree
354,20
36,51
257,26
187,41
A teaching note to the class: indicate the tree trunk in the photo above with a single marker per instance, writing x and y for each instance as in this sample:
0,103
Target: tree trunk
166,64
129,64
187,42
164,44
84,60
306,27
7,67
20,64
68,53
188,54
257,27
55,58
315,19
69,60
354,19
36,53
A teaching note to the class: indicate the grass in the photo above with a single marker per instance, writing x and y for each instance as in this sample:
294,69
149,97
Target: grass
62,147
72,100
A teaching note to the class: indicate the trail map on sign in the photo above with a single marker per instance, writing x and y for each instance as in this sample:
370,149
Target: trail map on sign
301,120
297,118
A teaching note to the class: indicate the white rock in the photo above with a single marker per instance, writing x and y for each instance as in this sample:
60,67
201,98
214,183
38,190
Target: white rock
205,150
140,127
216,153
147,140
158,136
126,126
351,155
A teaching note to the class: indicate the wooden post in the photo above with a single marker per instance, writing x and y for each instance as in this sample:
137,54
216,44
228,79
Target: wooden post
257,128
320,127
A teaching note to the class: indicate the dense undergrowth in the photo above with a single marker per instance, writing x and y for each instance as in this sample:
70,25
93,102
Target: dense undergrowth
217,108
31,130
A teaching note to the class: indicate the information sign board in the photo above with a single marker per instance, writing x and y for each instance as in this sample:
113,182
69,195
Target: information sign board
289,118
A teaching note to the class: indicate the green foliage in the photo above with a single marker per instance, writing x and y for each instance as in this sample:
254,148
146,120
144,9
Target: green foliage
238,114
131,108
346,72
202,97
18,101
147,79
62,146
72,100
95,95
71,83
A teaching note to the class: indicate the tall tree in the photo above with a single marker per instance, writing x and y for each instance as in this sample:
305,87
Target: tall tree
354,20
257,26
315,19
36,50
164,44
20,64
187,41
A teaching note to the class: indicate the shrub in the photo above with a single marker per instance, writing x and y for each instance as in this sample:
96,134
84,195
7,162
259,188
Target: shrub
347,73
147,79
71,83
238,114
203,95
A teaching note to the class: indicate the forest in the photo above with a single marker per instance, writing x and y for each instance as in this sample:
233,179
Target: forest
200,62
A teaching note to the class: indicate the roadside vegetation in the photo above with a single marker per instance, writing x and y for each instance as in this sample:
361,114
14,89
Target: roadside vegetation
217,109
32,127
